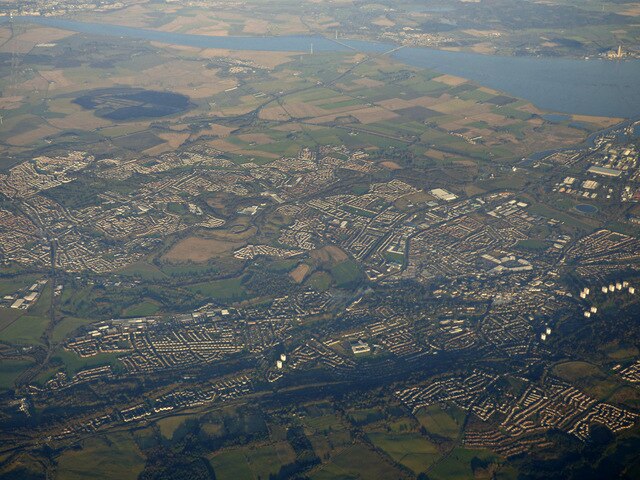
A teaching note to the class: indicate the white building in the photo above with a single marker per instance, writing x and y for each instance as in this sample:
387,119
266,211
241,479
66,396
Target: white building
442,194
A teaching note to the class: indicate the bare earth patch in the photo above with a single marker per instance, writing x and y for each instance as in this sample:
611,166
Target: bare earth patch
373,115
56,78
391,165
330,254
28,138
199,250
603,122
26,41
450,80
300,272
10,103
214,130
274,113
396,103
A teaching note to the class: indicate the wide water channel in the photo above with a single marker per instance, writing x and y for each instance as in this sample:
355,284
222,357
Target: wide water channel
588,87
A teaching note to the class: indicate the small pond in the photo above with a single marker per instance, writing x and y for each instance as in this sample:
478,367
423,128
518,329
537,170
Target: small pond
586,208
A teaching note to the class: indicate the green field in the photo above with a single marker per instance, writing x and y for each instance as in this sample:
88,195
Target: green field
8,316
532,244
13,284
618,352
409,449
186,270
141,309
73,363
228,289
143,270
168,426
394,257
476,95
114,456
231,465
457,465
10,370
439,422
44,376
366,415
356,462
266,460
347,102
66,326
27,329
346,273
312,95
589,377
323,424
325,429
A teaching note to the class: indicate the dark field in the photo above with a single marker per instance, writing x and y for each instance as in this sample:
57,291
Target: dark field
132,103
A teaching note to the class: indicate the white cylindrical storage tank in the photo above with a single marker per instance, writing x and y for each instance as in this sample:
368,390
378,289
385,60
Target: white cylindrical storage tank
594,309
605,289
587,291
587,314
583,295
612,288
543,337
283,357
632,290
279,364
618,286
548,331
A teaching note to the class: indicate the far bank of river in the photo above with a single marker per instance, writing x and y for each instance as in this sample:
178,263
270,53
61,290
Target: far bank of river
587,87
